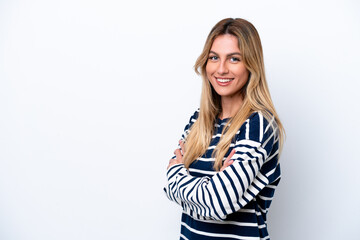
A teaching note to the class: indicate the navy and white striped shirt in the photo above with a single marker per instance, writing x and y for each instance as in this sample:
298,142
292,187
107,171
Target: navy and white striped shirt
233,203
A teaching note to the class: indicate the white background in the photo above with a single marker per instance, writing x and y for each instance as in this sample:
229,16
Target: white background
94,96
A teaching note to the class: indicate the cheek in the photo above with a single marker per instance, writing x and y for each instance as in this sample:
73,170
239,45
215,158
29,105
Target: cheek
246,74
209,70
242,73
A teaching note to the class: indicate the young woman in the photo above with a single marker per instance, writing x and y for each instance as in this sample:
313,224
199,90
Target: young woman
227,167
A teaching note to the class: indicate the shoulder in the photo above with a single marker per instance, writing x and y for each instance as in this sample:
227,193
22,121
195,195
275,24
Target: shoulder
192,119
257,127
194,116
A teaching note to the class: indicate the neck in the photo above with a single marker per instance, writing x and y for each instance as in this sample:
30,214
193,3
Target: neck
230,106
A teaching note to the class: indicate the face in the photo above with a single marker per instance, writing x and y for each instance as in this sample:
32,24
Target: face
225,69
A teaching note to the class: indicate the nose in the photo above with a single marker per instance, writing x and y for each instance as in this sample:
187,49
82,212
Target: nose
222,68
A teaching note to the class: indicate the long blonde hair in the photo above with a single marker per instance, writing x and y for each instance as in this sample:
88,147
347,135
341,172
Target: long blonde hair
256,95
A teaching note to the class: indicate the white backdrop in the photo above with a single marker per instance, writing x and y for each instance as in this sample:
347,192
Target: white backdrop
94,96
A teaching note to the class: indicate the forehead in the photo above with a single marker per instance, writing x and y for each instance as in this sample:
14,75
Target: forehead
224,44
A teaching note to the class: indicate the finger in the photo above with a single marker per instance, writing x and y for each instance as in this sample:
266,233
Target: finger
178,154
226,164
171,162
228,161
230,155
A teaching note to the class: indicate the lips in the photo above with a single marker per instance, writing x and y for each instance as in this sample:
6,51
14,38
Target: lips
224,81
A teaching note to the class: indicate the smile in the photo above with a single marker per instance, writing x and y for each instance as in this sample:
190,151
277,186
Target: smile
224,80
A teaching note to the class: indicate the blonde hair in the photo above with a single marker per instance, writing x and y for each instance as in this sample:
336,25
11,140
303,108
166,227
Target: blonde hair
256,95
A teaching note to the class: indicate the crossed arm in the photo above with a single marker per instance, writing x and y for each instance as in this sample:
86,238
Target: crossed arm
179,153
249,168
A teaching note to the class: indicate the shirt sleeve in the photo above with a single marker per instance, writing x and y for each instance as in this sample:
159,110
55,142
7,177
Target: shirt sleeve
254,167
170,194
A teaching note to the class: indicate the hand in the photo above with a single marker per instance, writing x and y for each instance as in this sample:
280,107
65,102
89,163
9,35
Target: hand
179,155
228,160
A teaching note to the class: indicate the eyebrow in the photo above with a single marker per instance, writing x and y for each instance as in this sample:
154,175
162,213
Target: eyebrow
230,54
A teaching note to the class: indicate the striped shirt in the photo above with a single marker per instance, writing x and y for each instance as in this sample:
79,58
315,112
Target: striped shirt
233,203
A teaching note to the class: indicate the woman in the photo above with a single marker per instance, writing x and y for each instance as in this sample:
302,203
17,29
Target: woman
226,170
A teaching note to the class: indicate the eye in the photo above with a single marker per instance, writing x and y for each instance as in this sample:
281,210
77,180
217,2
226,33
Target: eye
213,58
234,59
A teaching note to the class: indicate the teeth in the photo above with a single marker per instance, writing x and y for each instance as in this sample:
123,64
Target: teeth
223,80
